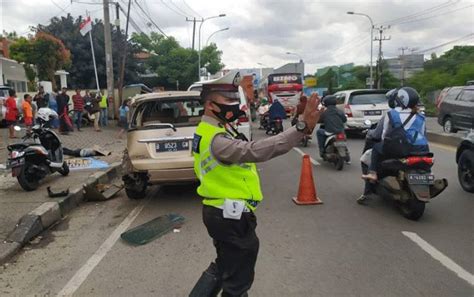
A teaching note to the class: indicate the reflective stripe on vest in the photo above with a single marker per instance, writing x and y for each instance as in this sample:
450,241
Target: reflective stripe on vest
414,128
219,181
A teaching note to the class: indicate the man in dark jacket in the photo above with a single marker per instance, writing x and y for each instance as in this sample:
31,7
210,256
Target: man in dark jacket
63,112
333,120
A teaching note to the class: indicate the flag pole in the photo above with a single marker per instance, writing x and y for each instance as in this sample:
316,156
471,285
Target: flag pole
93,57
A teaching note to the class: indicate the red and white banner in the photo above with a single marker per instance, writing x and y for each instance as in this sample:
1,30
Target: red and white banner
86,26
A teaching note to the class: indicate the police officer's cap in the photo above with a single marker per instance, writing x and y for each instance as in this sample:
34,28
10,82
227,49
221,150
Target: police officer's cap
227,85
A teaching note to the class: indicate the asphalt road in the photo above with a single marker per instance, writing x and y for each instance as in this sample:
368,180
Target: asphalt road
338,248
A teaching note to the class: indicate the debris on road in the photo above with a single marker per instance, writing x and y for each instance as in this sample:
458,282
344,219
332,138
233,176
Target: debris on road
101,192
153,229
57,194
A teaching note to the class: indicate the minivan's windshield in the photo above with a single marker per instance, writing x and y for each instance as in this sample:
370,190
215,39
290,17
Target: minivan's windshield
180,112
360,99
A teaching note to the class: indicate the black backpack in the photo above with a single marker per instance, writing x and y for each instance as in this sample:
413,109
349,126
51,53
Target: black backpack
396,143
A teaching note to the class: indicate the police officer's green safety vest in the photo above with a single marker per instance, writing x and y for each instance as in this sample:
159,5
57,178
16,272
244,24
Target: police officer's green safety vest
103,102
220,181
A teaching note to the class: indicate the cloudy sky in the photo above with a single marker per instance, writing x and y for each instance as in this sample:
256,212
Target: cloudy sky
263,31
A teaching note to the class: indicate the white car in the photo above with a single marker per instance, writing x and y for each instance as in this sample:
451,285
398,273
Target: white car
243,123
362,105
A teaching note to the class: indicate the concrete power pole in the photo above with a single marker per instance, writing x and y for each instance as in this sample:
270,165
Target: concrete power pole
108,58
194,29
380,39
402,62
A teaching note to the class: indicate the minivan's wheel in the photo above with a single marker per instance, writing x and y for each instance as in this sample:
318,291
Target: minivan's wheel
339,163
412,209
135,186
64,169
466,170
28,180
448,126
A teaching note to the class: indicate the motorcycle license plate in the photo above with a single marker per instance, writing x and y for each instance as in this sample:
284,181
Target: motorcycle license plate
339,143
421,179
172,146
15,163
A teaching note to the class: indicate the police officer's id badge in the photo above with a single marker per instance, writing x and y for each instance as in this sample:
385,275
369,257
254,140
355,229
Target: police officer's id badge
233,209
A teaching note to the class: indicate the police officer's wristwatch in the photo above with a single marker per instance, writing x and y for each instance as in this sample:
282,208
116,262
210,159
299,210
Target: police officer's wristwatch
301,126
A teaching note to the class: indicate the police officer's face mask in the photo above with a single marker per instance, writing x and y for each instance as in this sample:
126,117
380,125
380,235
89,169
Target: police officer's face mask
228,112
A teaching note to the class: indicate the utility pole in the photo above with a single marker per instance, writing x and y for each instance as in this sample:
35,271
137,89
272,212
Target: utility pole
402,63
124,55
108,57
194,28
380,39
117,16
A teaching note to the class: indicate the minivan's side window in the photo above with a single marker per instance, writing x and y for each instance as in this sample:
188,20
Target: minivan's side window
467,96
452,94
340,98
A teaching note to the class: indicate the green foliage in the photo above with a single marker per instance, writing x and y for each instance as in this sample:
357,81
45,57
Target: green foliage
453,68
45,51
172,63
81,72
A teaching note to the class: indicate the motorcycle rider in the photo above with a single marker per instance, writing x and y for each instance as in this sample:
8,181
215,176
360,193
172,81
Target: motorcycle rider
333,120
406,111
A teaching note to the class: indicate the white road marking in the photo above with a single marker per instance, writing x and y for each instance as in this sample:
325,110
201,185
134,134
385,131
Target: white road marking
81,275
299,151
437,255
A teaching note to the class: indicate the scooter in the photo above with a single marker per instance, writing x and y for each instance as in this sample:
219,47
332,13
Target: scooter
408,181
39,155
274,127
335,150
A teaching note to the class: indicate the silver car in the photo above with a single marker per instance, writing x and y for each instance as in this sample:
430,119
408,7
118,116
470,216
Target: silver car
362,105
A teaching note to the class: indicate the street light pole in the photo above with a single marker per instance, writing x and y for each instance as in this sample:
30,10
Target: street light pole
207,41
199,37
371,44
302,70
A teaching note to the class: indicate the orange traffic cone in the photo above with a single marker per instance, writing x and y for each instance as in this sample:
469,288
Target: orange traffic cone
307,191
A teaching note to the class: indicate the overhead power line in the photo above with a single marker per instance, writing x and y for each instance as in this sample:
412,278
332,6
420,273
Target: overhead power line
181,10
434,16
191,9
149,18
172,9
468,36
421,13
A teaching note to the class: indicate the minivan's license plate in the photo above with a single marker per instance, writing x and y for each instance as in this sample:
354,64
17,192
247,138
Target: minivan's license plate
172,146
421,179
372,112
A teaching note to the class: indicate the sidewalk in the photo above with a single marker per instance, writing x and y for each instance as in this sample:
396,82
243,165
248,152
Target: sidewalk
15,202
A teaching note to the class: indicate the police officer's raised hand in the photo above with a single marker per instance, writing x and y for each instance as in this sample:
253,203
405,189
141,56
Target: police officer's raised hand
312,112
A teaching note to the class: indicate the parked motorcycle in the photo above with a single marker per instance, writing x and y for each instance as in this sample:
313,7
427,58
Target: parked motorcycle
39,155
408,181
335,150
274,126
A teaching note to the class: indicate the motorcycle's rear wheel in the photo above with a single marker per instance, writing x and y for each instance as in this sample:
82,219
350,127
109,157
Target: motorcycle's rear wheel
28,180
413,208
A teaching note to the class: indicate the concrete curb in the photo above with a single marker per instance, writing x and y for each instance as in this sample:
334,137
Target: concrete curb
446,139
48,213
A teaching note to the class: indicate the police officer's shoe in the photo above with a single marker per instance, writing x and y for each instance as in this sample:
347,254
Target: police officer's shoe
208,285
363,199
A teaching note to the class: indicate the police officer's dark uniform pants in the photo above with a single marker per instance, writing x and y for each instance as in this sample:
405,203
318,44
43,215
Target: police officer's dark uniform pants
237,247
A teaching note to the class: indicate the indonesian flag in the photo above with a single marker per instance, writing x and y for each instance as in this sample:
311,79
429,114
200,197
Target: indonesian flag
86,26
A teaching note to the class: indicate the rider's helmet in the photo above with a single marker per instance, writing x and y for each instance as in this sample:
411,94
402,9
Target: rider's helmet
329,100
404,97
44,115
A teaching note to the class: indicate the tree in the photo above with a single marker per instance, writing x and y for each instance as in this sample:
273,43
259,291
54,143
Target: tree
45,51
82,68
173,63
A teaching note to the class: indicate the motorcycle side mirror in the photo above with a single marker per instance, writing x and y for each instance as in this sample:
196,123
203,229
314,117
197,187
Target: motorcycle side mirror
17,128
368,122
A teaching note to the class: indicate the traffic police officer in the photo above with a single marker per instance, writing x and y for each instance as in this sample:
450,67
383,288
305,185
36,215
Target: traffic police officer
224,162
